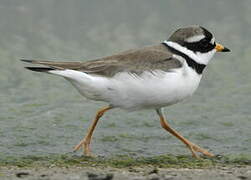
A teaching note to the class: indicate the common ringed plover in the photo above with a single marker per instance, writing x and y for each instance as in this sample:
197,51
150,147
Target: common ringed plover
148,78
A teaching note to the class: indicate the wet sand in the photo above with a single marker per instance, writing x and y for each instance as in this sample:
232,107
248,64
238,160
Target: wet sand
138,173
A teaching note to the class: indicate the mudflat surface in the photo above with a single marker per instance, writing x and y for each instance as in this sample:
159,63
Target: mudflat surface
139,173
164,167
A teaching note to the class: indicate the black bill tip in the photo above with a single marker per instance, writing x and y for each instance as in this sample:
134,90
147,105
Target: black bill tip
225,50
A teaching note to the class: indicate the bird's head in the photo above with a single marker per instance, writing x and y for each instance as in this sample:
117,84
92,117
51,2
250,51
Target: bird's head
196,42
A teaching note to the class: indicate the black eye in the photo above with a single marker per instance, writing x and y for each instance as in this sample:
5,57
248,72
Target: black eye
204,42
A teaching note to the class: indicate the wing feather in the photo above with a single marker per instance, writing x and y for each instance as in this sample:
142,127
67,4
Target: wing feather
133,61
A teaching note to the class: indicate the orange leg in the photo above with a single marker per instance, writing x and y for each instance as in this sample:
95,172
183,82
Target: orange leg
193,147
85,142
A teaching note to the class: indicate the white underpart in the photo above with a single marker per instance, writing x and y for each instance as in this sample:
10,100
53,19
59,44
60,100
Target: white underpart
88,86
148,90
201,58
196,38
133,92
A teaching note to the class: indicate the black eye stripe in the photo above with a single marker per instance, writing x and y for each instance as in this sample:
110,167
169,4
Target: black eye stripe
205,40
204,45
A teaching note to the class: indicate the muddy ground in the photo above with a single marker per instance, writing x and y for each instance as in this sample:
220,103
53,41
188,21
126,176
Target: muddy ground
147,173
164,167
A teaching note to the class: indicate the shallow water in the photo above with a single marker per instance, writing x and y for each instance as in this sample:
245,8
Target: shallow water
42,114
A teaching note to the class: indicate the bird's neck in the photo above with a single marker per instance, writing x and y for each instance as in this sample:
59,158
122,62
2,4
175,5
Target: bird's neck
196,61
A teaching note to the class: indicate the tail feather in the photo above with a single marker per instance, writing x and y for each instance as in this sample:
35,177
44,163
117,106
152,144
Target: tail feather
40,69
58,65
65,69
26,60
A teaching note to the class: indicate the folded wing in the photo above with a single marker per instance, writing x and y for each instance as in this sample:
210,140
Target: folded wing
133,61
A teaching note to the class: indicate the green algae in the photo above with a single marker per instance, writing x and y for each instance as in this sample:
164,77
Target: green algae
124,161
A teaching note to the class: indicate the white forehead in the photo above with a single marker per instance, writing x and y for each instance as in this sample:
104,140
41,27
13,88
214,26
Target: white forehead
195,38
212,40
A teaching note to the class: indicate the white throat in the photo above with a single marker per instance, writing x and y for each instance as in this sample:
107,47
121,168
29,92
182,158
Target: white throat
201,58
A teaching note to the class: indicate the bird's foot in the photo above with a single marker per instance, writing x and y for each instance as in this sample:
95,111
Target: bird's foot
86,147
195,148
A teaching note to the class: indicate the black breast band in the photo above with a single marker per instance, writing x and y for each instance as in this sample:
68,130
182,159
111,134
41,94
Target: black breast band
193,64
